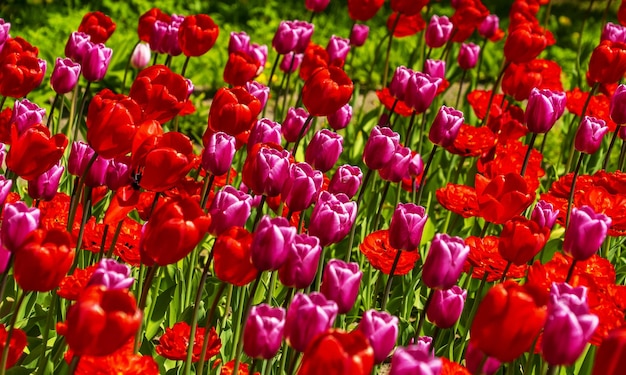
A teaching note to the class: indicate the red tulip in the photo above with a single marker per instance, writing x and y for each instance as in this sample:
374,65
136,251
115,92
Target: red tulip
502,197
16,345
326,91
34,151
20,73
43,260
315,56
521,239
197,34
363,10
233,112
240,68
101,321
337,352
232,257
98,26
408,7
146,23
608,62
611,356
525,43
18,45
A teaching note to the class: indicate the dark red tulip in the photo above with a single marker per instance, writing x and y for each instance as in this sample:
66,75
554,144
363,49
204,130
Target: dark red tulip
363,10
20,73
525,43
98,26
338,352
521,239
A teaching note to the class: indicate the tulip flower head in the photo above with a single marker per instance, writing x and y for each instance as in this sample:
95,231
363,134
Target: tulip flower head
347,180
586,233
307,317
438,31
446,306
406,227
270,243
381,329
65,75
544,108
112,275
468,55
338,352
358,34
414,359
332,217
444,262
446,126
341,282
263,332
301,265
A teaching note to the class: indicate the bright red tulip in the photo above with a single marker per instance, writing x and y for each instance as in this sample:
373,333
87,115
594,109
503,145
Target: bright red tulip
233,112
20,73
98,26
145,26
197,34
337,352
521,239
34,151
363,10
502,197
408,7
525,43
607,63
16,345
240,68
326,91
232,257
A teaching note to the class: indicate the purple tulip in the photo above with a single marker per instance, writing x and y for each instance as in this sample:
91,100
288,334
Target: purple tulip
435,68
64,76
544,214
170,43
380,147
468,55
381,329
5,255
406,227
589,135
259,53
295,119
97,173
613,32
26,114
446,306
489,27
141,56
302,186
347,180
290,62
96,62
416,165
332,217
338,48
218,153
400,81
341,282
286,37
474,358
324,150
117,174
259,91
229,208
438,31
569,325
316,5
264,131
358,34
270,243
238,42
18,221
43,65
5,188
158,36
414,360
341,118
80,154
307,317
446,126
398,167
305,31
77,46
301,265
46,185
112,275
264,331
544,108
5,27
586,233
618,105
420,91
274,165
444,262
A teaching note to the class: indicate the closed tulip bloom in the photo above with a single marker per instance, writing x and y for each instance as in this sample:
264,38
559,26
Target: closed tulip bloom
286,37
218,153
46,185
158,36
326,90
118,174
507,322
5,27
544,214
446,126
380,147
265,169
26,114
65,75
420,91
270,243
399,82
18,221
197,34
363,10
489,27
240,69
435,68
140,57
263,332
98,25
259,91
77,46
171,42
100,321
611,356
446,306
96,62
468,55
607,63
358,34
618,105
341,282
332,217
291,62
34,151
233,111
303,256
381,329
229,208
338,49
544,108
316,5
324,150
336,352
416,165
238,42
438,31
569,325
521,239
347,180
305,31
302,186
406,227
96,175
307,317
5,188
264,131
80,154
586,233
474,359
294,120
112,275
414,360
233,263
524,43
503,197
259,53
341,118
444,262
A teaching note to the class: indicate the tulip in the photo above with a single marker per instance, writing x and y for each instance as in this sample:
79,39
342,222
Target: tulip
117,174
17,223
316,5
341,118
229,208
420,91
544,214
286,37
569,325
414,359
197,34
586,233
5,188
218,153
438,31
302,186
468,55
263,332
232,260
521,240
406,227
380,147
324,150
46,185
290,62
613,32
238,42
80,154
64,76
444,262
264,131
100,321
400,81
507,322
307,317
358,34
147,20
160,93
77,46
294,120
338,352
5,27
17,344
363,10
34,151
416,165
96,175
524,43
489,26
170,44
112,275
502,198
233,111
340,283
97,25
332,217
259,91
398,167
611,356
240,69
338,49
96,62
544,108
20,73
266,169
618,105
271,242
446,306
303,256
26,114
607,63
326,90
347,180
446,126
474,358
140,57
435,68
381,329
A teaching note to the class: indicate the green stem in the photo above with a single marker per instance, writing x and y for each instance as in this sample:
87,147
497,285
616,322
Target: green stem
573,188
301,135
259,212
580,45
246,312
552,370
5,277
607,156
81,110
396,260
207,326
422,317
118,230
2,101
269,80
83,224
570,272
206,189
7,342
74,364
127,67
458,94
422,186
528,152
41,364
393,29
54,103
362,189
505,271
380,206
185,65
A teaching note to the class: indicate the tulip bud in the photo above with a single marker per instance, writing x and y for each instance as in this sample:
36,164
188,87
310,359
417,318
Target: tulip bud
544,214
26,114
64,76
303,257
332,217
259,53
489,27
406,227
302,186
341,118
346,180
46,185
77,46
380,147
259,91
270,243
265,169
435,68
421,90
96,62
398,167
446,126
618,105
218,153
316,5
381,329
80,154
305,31
286,38
340,283
5,27
97,173
290,62
229,208
141,56
324,150
446,306
112,275
414,359
358,34
326,90
614,33
238,42
586,233
444,262
295,119
307,317
544,108
117,174
263,332
468,55
416,165
264,131
399,82
438,31
521,240
338,49
589,135
17,223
